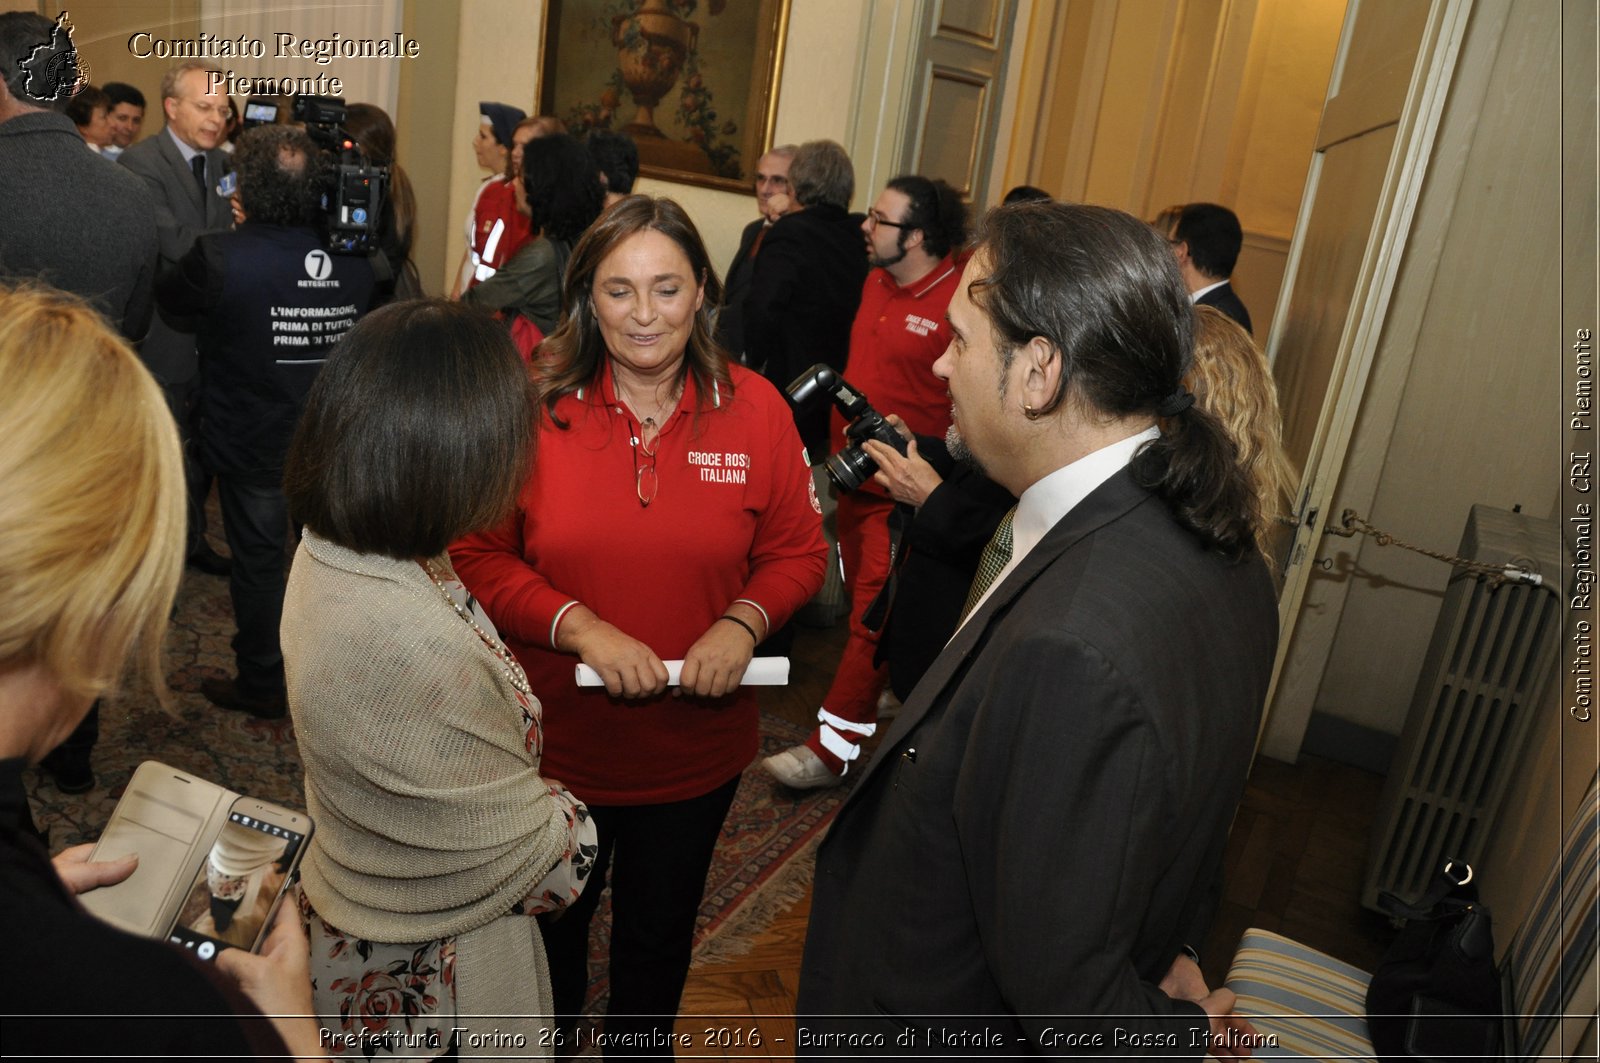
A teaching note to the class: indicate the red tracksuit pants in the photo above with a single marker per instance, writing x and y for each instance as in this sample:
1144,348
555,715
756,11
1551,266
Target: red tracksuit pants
850,709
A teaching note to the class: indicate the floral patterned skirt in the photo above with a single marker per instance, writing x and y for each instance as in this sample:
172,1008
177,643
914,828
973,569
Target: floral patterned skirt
378,999
399,1001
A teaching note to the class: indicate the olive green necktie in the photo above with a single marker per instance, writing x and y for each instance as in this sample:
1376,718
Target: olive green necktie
996,556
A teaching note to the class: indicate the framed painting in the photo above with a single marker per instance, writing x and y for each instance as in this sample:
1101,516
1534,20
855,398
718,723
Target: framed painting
694,82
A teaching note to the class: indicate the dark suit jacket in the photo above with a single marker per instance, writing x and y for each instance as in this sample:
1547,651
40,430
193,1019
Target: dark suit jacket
1225,300
182,213
735,286
943,543
803,295
75,220
1036,832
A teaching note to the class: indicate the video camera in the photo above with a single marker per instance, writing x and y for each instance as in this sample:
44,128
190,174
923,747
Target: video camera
851,467
259,110
353,206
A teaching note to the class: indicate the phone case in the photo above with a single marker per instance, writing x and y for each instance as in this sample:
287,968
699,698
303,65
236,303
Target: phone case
171,819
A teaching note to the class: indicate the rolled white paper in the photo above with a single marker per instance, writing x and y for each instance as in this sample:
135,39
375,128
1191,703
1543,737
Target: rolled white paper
763,672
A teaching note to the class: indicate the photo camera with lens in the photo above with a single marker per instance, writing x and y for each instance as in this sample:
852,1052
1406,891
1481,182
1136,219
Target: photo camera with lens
850,468
353,204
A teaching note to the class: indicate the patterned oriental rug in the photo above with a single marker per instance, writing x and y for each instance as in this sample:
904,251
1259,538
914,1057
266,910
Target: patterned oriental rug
762,865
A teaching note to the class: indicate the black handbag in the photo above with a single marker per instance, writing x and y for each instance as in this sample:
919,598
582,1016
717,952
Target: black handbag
1436,995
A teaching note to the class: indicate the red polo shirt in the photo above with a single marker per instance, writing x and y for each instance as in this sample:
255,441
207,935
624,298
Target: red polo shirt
899,332
734,517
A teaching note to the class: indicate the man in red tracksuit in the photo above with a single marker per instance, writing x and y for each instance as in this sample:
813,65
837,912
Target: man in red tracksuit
914,234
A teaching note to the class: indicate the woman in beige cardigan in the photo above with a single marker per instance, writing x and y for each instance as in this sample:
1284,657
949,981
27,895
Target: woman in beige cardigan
437,840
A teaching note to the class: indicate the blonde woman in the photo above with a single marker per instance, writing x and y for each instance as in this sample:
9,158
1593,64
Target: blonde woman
91,549
1231,379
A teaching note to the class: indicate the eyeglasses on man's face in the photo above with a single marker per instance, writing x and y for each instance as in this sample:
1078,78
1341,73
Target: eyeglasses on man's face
876,218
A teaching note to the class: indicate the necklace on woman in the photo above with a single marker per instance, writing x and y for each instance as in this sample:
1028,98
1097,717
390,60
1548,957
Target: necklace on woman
654,415
508,664
647,437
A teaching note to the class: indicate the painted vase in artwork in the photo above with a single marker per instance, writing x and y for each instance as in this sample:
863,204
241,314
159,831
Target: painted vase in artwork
658,50
651,44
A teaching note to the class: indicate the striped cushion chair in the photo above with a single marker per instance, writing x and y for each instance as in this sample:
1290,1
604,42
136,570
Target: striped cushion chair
1305,1003
1555,947
1309,1005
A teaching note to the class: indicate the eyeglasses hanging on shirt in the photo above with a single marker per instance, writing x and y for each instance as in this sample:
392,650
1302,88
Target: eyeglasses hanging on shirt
645,479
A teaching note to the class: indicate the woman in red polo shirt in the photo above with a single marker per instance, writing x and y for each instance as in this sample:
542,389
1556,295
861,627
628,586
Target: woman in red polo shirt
670,515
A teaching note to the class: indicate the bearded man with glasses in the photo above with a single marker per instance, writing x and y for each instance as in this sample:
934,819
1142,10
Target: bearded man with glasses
914,233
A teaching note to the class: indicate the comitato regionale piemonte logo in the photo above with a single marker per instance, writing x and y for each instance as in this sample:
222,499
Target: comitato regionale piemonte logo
53,68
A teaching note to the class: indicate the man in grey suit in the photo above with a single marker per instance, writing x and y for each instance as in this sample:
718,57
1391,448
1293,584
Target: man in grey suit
1039,834
71,219
182,168
76,222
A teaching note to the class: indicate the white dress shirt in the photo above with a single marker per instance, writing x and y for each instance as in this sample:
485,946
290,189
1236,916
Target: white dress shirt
1043,504
186,151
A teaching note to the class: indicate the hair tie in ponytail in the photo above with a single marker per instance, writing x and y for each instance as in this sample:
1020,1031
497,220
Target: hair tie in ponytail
1176,403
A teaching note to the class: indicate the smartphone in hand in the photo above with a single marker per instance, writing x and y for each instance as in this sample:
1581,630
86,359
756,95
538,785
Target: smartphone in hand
213,864
242,880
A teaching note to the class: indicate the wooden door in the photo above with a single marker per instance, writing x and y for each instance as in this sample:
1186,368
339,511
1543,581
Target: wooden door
1390,80
955,106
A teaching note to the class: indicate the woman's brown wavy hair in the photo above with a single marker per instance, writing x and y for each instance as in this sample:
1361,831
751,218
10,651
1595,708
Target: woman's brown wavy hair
573,356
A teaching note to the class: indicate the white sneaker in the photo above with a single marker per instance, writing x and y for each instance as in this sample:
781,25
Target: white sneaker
800,769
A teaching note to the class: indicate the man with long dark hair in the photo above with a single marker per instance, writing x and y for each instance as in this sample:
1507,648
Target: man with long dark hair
1038,835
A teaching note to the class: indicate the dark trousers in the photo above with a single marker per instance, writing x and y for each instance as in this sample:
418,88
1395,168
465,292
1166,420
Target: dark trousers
77,750
87,733
657,857
255,518
184,402
18,798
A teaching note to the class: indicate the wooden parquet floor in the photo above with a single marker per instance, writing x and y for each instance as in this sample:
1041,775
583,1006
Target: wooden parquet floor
1293,864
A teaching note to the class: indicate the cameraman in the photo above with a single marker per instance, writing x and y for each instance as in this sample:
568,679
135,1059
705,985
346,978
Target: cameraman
269,302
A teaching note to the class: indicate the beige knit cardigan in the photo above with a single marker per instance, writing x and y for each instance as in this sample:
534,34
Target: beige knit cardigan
431,817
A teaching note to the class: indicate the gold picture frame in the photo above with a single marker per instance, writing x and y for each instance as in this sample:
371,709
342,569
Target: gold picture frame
694,82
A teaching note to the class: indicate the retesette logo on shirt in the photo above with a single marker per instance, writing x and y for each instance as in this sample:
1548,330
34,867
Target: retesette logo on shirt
319,264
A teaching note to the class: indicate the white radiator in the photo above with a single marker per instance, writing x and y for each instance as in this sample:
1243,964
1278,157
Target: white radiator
1489,663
